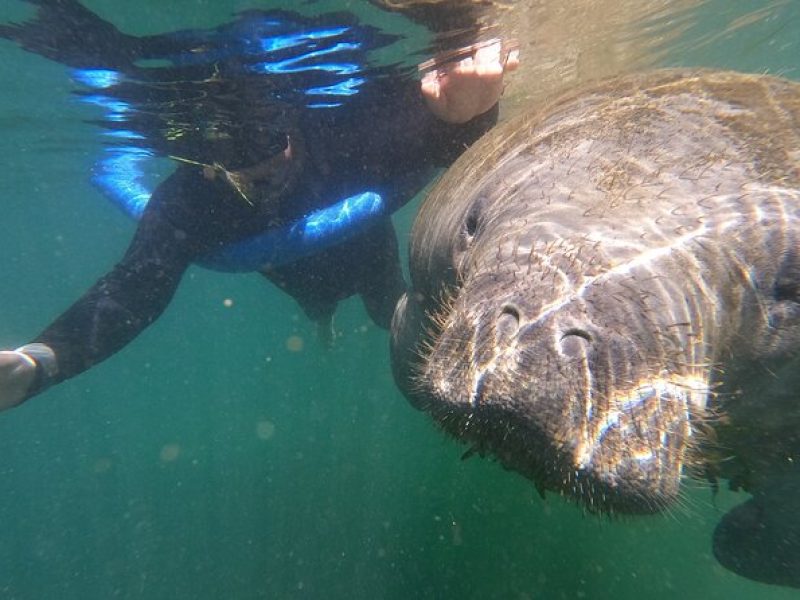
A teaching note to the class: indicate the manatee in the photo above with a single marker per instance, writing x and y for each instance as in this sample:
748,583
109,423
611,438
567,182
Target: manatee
606,299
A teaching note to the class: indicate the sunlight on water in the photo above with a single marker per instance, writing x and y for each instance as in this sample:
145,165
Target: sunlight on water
228,452
566,45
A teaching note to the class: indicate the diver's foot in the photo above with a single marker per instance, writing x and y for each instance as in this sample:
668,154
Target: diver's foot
17,372
472,86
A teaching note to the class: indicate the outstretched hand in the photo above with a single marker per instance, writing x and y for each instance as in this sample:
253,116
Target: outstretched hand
472,86
17,371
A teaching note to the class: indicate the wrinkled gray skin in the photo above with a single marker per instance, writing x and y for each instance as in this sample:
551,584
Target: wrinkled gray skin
606,297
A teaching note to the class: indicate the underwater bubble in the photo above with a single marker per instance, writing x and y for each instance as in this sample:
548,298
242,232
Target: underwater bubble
170,452
265,429
102,465
294,343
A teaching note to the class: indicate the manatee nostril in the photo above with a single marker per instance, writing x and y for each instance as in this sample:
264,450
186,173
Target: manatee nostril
573,342
786,289
508,320
576,331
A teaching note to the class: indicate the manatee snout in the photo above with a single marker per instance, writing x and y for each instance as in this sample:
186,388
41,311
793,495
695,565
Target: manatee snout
572,404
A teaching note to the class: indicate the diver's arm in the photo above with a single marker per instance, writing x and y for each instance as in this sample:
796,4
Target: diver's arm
409,138
109,315
119,306
182,223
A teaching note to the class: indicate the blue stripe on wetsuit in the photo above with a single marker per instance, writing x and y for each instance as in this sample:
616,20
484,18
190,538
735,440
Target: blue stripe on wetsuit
120,177
306,236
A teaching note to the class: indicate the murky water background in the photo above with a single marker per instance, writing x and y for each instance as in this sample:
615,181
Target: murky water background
227,454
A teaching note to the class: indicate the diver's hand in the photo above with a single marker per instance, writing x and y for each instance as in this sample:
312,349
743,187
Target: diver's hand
472,86
17,372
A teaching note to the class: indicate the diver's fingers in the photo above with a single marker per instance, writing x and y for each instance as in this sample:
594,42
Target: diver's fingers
489,60
17,372
512,60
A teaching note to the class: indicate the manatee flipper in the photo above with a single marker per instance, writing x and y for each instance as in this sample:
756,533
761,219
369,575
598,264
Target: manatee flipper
760,539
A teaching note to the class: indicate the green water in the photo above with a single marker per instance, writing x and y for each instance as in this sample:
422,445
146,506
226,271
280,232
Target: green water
213,458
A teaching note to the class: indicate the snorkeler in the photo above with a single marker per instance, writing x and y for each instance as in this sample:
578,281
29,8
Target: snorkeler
270,118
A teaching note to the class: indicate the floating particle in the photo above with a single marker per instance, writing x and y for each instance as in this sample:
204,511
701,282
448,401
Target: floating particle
294,343
265,429
102,465
170,452
228,302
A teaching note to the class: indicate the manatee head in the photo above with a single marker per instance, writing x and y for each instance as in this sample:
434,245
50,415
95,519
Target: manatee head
524,338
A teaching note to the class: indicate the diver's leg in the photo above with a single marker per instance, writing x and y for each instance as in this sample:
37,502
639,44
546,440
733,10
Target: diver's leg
367,264
310,291
382,282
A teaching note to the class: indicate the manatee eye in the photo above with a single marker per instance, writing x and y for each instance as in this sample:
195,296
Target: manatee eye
473,218
471,224
469,228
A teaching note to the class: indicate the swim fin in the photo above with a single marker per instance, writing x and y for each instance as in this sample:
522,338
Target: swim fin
67,32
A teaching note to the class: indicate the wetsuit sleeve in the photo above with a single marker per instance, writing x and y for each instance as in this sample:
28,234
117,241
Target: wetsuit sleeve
122,303
405,142
451,140
182,222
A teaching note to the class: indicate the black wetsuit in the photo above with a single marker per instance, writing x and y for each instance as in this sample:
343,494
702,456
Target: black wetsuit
384,139
190,216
